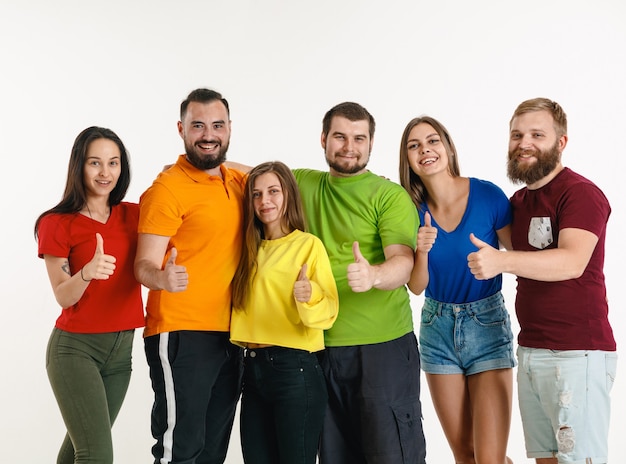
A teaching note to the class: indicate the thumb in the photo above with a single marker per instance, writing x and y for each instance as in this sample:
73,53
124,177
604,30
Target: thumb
358,257
172,259
478,243
99,244
302,274
427,222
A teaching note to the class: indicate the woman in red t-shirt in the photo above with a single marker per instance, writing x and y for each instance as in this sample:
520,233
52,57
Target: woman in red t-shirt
88,241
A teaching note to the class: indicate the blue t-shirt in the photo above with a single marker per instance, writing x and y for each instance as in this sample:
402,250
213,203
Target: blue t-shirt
488,210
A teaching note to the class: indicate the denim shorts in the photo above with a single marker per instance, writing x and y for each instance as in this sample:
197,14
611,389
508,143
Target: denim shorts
466,338
564,403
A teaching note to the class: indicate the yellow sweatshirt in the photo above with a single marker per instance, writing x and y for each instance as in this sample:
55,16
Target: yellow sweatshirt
271,314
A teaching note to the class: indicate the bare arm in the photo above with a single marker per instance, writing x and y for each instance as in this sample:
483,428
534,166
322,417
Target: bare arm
148,265
426,237
67,288
568,261
389,275
504,237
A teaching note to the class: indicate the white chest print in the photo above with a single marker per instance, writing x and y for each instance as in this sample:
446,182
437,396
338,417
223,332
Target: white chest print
540,232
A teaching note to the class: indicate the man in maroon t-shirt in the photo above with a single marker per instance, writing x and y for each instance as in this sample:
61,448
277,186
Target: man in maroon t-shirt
567,352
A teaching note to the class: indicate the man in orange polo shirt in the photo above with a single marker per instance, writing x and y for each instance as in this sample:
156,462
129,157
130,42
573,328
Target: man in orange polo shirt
189,246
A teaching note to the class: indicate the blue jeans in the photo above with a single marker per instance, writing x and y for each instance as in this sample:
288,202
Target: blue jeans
282,406
89,375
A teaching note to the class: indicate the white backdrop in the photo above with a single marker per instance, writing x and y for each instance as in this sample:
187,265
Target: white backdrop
127,64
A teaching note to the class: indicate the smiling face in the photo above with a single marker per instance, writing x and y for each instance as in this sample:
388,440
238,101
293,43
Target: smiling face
534,149
268,200
347,146
102,167
205,130
426,153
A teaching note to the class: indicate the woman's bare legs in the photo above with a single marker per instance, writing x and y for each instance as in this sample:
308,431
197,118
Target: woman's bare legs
475,414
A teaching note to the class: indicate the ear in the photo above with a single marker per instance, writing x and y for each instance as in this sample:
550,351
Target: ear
181,130
562,142
323,140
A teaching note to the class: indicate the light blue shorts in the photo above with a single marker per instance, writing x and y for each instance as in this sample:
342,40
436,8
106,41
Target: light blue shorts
564,403
466,338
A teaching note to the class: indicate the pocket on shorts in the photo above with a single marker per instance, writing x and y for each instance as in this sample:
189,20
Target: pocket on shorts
611,369
429,315
496,316
408,416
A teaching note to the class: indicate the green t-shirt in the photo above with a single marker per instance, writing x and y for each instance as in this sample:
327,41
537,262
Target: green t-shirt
376,213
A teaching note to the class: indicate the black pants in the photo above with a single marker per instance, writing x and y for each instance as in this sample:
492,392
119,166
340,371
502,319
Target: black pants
282,406
196,378
374,411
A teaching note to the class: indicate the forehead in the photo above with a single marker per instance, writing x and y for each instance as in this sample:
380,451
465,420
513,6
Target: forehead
265,180
213,111
423,129
345,126
103,148
535,120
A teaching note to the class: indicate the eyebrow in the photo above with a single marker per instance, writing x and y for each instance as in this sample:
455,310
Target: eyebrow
434,134
529,130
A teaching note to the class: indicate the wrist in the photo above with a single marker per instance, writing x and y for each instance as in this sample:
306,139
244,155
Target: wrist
83,277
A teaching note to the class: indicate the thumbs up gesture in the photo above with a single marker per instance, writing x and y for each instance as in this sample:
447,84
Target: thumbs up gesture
101,266
360,273
426,235
175,276
486,262
302,288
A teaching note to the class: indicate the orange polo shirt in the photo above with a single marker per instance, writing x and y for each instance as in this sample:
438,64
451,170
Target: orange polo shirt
202,215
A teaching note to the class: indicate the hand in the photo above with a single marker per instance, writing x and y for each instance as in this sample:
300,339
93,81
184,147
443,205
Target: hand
101,266
426,235
302,288
360,272
175,276
484,263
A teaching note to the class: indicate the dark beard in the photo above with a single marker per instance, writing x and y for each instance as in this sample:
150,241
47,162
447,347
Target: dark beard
205,163
546,162
345,170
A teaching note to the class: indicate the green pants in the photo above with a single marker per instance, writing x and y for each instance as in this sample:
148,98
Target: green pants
89,375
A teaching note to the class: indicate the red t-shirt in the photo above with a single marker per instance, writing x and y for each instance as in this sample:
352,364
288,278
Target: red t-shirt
570,314
107,305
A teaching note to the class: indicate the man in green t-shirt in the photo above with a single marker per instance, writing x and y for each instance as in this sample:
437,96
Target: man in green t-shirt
371,362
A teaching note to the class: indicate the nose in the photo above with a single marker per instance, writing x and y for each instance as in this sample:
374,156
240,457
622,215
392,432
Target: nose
525,142
104,170
348,145
261,198
208,133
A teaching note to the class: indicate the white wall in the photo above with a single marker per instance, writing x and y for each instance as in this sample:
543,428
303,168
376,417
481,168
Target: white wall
126,64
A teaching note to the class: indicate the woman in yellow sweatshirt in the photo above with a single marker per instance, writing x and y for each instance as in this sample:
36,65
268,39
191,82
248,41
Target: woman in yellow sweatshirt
284,296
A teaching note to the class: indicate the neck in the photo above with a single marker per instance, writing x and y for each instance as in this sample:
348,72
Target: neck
272,233
445,189
97,210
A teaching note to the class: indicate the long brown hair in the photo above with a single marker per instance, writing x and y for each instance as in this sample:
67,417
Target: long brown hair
411,181
292,219
75,196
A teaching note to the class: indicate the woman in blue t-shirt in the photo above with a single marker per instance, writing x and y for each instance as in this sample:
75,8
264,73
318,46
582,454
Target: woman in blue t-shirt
465,338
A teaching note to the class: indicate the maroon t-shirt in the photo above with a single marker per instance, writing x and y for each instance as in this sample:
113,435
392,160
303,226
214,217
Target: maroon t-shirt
570,314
